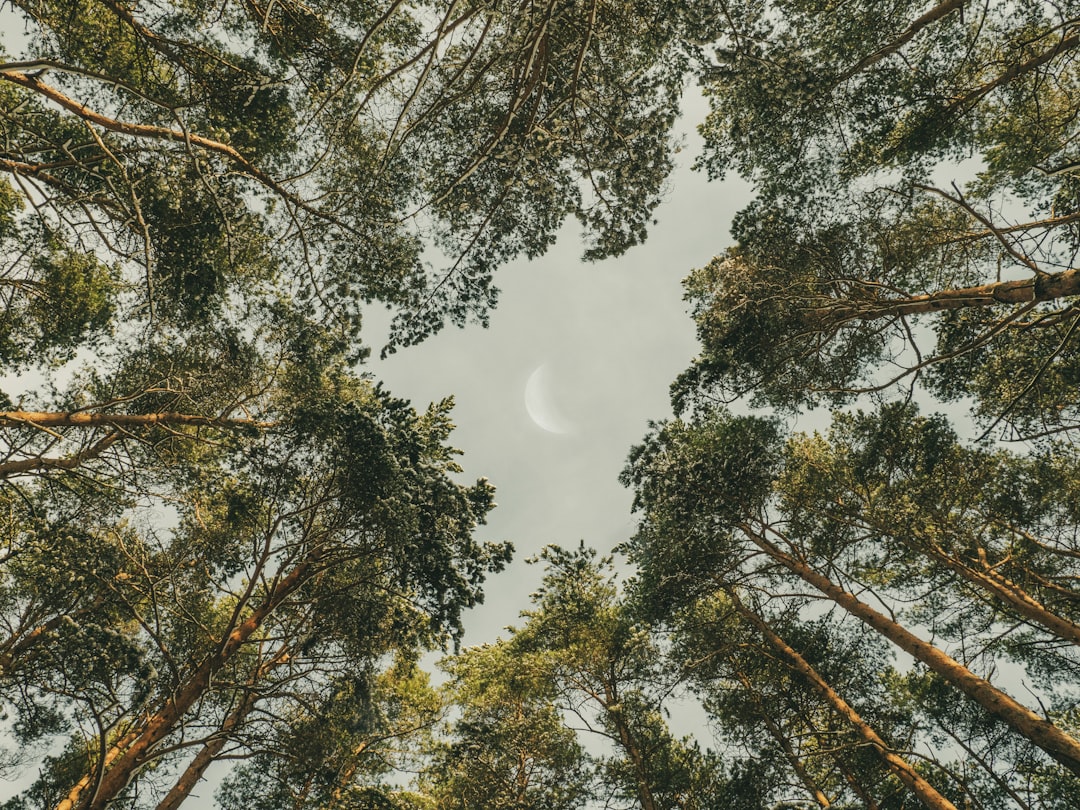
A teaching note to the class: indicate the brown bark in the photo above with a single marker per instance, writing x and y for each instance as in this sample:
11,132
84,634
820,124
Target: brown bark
214,746
25,465
1047,287
856,786
1059,745
68,802
34,84
123,762
193,773
49,420
631,747
896,764
1018,69
46,419
933,15
346,775
1011,594
18,645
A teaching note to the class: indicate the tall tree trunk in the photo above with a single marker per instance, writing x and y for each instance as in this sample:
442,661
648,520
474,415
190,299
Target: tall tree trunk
630,746
1010,593
214,746
16,647
53,419
856,786
123,762
922,789
1021,719
1047,287
933,15
210,751
782,740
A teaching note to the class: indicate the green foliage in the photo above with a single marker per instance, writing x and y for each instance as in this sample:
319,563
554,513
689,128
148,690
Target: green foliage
510,748
218,151
694,483
325,545
772,721
333,749
580,671
847,118
977,545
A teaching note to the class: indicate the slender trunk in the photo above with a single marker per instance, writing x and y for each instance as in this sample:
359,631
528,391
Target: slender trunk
24,465
1011,594
47,419
855,785
123,762
1059,745
17,646
347,774
631,747
785,744
1014,71
92,776
922,789
933,15
1048,287
210,751
214,746
521,778
989,768
77,108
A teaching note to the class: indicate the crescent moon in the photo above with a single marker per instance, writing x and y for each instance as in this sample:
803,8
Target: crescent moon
538,404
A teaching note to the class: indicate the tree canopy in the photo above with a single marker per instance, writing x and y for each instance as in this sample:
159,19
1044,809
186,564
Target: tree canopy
225,150
916,218
225,549
223,540
884,612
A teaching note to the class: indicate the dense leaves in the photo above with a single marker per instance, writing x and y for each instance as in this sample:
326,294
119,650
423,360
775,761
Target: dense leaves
215,149
874,256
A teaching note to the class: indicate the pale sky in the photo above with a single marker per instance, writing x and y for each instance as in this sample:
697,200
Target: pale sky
613,336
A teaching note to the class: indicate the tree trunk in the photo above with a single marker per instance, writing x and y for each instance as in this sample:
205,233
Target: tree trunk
922,789
631,747
123,762
1047,287
933,15
214,746
1021,719
89,419
183,786
1011,594
785,744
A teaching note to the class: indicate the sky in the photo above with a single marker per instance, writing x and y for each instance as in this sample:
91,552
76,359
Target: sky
611,336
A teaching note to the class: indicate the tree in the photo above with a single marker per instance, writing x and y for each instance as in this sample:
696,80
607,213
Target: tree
339,540
220,184
580,675
225,150
858,269
856,275
509,748
787,708
335,755
728,507
610,672
214,520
